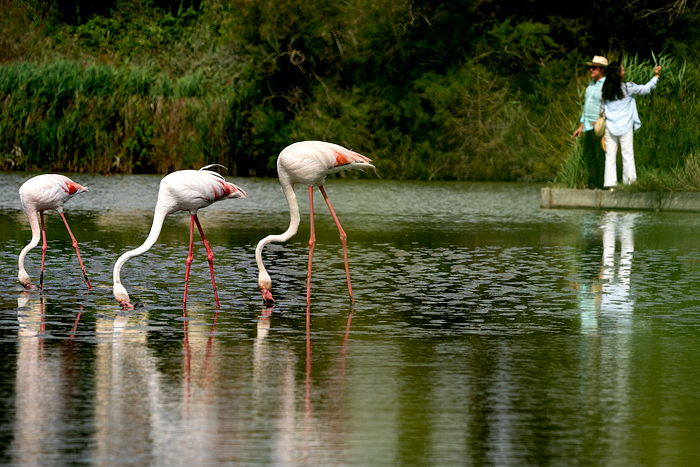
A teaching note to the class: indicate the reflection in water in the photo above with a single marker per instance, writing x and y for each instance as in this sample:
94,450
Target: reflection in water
45,387
266,357
35,418
608,297
313,435
127,391
198,412
606,321
164,422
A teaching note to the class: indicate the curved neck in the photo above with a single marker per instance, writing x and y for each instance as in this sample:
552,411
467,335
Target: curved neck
158,219
294,220
36,236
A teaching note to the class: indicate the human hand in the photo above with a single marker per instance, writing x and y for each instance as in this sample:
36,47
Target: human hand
578,131
657,71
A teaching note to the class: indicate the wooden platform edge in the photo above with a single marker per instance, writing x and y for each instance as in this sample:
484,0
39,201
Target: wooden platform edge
555,198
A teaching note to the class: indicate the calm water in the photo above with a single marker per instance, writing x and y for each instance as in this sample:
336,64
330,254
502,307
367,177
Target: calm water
485,332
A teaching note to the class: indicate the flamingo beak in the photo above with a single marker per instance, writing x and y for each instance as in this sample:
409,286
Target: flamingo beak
267,296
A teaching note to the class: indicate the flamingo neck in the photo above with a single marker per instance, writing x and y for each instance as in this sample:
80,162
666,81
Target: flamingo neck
36,236
158,219
294,220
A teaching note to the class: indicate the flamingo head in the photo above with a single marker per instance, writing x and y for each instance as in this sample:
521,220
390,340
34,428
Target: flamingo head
122,296
265,284
267,297
25,280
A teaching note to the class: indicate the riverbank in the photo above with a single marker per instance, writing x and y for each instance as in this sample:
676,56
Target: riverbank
603,199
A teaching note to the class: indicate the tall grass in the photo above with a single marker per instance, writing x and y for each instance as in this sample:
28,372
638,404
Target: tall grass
63,115
98,118
685,177
573,172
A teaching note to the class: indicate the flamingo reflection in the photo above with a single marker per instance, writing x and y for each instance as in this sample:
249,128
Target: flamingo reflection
187,361
127,391
43,399
33,384
293,444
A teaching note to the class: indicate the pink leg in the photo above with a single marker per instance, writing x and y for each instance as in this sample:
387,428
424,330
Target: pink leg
43,250
307,399
343,240
312,243
189,264
210,258
75,247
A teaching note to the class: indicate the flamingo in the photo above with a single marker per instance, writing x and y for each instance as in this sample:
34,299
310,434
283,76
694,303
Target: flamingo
184,190
308,163
39,194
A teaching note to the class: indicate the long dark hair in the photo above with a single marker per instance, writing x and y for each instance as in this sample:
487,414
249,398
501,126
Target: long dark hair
612,88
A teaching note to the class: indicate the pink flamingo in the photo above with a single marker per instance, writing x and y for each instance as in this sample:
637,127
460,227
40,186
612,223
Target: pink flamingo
308,163
38,194
184,190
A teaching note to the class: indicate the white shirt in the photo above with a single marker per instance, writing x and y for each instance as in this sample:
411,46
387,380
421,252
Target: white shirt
621,115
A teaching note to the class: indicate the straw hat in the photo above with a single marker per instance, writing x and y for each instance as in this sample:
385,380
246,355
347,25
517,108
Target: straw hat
598,61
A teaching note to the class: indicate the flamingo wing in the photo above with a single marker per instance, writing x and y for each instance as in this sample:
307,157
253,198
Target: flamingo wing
49,191
309,162
190,190
214,187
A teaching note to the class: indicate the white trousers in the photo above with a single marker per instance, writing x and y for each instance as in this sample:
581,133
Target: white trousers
629,171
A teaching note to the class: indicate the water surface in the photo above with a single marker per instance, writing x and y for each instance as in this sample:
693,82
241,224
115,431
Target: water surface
485,332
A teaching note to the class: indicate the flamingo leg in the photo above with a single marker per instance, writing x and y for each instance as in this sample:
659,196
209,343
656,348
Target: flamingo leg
312,244
189,264
210,258
307,399
343,240
75,247
43,250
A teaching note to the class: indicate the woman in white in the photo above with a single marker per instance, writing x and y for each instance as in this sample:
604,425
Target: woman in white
621,121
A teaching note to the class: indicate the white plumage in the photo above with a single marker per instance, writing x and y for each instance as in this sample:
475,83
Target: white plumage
184,190
308,163
39,194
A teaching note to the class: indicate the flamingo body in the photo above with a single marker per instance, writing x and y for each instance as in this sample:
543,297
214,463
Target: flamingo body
184,190
308,163
39,194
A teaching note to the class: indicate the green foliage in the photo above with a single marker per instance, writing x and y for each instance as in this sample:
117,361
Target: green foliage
105,119
685,177
459,89
520,45
573,172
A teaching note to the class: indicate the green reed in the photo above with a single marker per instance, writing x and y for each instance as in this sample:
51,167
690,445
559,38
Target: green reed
98,118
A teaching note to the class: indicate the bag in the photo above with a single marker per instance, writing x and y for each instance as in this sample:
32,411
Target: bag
599,126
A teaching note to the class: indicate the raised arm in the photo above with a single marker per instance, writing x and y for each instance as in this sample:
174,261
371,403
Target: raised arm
641,89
